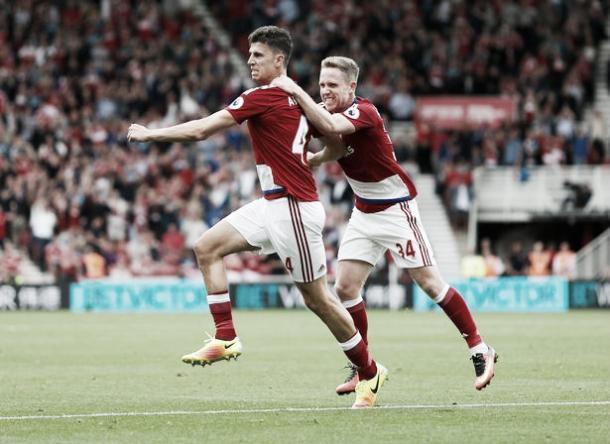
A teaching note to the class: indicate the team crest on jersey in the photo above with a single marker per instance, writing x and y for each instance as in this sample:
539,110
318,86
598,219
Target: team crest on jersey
291,101
237,103
352,112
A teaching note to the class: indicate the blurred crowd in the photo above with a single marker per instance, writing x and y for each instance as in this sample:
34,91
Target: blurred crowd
540,260
541,51
76,200
542,54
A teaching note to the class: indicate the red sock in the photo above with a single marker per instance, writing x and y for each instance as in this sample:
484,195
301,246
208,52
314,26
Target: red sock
358,353
358,314
455,307
220,307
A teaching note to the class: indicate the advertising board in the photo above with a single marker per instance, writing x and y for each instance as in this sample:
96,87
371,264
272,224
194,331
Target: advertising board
509,294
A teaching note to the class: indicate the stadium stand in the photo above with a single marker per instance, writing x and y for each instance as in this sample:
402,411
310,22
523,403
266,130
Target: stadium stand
549,191
77,201
593,261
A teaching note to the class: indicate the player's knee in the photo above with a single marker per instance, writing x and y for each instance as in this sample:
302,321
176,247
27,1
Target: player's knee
427,286
317,304
313,305
430,285
346,290
204,251
320,307
317,298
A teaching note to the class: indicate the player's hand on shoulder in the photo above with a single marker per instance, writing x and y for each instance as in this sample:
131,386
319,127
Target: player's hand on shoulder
137,133
285,83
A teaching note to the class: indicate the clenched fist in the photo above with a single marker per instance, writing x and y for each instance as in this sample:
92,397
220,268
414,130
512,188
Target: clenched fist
137,133
313,160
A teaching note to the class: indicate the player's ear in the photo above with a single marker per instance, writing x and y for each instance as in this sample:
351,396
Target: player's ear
279,59
352,85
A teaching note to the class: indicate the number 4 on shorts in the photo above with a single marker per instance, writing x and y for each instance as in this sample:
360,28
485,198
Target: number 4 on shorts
288,264
407,251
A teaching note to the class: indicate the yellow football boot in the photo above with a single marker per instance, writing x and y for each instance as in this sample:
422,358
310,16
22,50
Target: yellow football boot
214,350
367,389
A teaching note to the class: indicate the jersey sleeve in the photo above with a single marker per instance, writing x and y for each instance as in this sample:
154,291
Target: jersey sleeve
249,104
362,116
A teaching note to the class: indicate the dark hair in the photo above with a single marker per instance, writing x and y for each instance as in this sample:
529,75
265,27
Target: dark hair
278,39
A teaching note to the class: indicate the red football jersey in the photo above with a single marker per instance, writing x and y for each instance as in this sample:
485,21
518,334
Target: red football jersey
370,165
280,135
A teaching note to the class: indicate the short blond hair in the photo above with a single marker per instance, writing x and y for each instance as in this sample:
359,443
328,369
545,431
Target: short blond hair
344,64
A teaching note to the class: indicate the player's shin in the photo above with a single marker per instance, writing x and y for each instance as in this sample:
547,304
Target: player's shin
220,308
357,352
456,309
357,310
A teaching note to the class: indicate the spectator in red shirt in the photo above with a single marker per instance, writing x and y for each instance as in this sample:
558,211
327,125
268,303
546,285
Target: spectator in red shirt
172,243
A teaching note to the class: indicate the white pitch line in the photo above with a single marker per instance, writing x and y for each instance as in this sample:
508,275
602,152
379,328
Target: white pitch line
311,409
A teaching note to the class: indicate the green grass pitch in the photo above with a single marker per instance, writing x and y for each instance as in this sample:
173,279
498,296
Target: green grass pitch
64,364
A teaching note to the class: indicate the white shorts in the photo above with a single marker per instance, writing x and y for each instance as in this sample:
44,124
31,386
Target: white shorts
289,228
397,228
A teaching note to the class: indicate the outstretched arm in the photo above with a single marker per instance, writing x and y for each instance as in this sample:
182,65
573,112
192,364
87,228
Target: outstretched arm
333,149
327,123
185,132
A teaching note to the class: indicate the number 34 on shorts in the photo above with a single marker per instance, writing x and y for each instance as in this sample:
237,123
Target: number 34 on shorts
407,250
